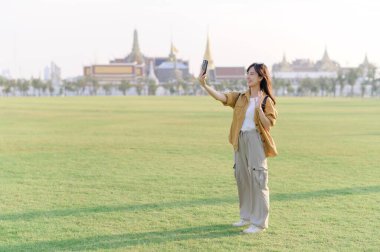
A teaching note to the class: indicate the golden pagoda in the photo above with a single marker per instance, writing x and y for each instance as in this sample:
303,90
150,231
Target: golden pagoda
207,55
130,68
135,55
173,53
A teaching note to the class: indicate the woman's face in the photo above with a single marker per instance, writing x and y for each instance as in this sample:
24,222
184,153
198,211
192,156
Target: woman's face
253,78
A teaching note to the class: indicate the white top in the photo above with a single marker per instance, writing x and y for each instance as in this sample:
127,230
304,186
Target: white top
249,123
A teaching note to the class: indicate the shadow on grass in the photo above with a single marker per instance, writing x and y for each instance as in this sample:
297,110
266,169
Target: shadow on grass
190,203
326,193
123,208
128,239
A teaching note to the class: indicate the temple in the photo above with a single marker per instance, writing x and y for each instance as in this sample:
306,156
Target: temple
136,67
305,68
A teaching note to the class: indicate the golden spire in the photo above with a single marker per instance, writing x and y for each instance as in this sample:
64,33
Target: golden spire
135,55
366,62
284,59
325,57
173,53
207,55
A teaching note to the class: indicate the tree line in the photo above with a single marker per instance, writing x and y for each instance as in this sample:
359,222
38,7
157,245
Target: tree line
144,86
324,86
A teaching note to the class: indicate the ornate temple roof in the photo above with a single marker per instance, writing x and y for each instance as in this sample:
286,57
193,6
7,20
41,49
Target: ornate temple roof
173,52
326,64
135,55
325,57
172,65
284,65
366,64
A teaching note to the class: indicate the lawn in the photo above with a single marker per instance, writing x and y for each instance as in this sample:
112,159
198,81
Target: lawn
155,174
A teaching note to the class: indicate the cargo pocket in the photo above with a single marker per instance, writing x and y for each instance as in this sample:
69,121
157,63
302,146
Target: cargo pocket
234,167
261,177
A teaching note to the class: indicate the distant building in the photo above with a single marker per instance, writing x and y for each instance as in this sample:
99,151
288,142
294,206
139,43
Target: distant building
300,69
171,69
367,69
229,73
364,73
138,68
52,73
115,73
5,73
131,68
216,75
305,68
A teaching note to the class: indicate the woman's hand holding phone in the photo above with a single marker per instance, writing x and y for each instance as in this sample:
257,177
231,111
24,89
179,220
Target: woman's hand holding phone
203,74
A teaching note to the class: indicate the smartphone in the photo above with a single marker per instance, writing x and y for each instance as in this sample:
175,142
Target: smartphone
204,66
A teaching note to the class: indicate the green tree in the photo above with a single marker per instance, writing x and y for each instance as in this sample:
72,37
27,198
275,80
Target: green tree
375,88
139,86
44,87
23,86
371,78
193,85
325,85
363,85
65,86
333,83
81,85
152,87
340,80
124,86
94,84
9,86
308,87
107,87
171,88
277,84
280,84
37,85
289,88
49,87
89,82
3,81
352,76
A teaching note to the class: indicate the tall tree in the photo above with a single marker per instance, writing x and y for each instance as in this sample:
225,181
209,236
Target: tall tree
324,85
37,85
371,77
23,86
107,87
152,87
352,76
340,80
124,86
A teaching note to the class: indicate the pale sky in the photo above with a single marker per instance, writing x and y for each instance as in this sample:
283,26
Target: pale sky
74,33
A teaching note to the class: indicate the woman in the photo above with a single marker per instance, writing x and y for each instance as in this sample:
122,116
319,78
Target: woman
254,114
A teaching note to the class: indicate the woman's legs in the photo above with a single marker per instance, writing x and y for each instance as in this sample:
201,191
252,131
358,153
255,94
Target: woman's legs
260,199
243,180
252,179
257,163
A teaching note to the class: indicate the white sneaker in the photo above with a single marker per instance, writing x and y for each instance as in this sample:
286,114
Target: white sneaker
253,229
241,223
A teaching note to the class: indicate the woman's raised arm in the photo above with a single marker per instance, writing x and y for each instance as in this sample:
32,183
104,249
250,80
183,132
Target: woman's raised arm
216,94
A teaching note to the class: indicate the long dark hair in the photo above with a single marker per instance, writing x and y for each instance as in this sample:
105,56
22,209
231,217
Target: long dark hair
266,83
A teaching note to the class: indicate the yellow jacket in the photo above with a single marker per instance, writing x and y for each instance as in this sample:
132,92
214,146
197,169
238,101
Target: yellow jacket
239,102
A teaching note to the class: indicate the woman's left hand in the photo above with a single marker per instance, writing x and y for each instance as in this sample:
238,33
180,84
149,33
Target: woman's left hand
259,100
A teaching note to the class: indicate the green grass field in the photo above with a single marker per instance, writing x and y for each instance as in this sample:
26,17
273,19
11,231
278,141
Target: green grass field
155,174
